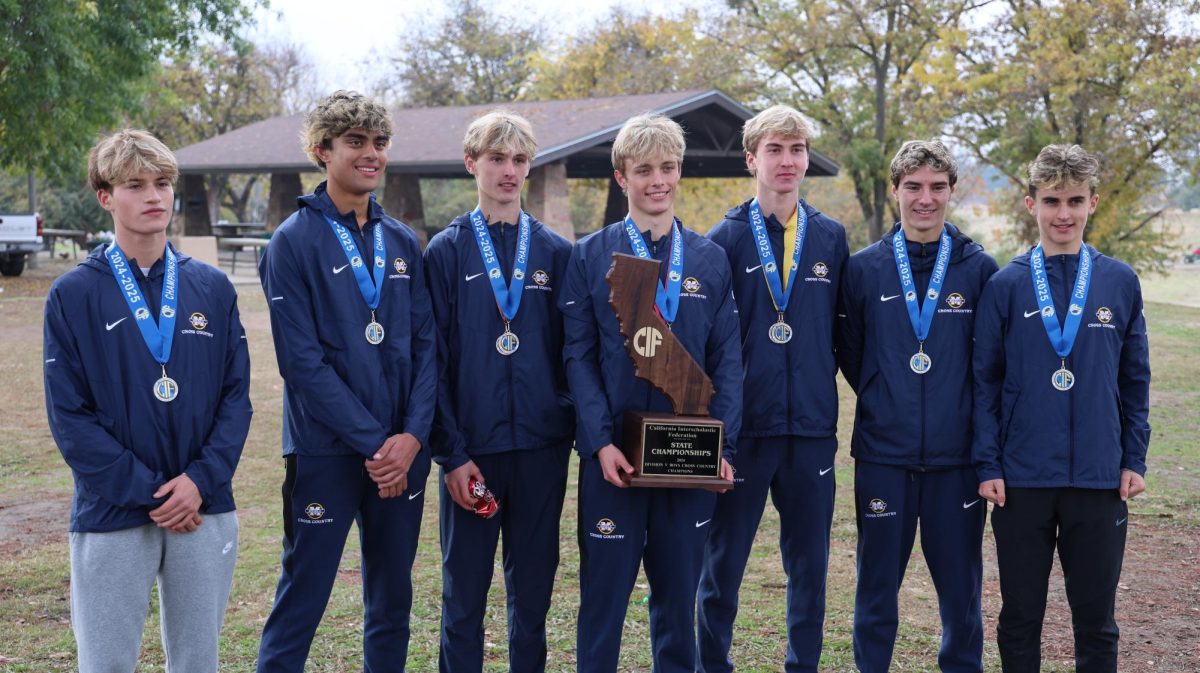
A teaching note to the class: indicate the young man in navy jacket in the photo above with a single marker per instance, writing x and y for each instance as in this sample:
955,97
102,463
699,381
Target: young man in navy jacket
1062,395
354,337
904,345
504,416
787,261
147,379
621,527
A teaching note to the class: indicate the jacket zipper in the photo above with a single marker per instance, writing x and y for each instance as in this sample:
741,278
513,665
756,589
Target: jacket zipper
1070,393
512,405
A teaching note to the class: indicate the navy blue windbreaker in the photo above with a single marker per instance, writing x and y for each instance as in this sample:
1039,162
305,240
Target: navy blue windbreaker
600,371
1027,432
794,385
342,394
488,402
918,421
120,442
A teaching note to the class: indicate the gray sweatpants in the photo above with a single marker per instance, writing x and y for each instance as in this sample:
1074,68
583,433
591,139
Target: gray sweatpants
111,578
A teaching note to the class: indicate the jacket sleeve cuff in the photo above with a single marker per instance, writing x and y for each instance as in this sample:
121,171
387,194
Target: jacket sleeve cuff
989,472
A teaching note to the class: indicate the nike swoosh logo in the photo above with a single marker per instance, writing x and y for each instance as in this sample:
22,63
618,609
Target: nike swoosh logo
884,297
701,523
109,325
473,277
414,495
825,471
752,269
570,303
339,269
1121,521
276,298
1030,314
969,505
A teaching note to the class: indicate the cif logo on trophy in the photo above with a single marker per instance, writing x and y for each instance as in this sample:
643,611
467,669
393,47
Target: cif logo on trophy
679,450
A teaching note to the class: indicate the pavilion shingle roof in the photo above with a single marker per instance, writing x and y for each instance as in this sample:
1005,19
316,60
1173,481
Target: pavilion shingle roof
428,141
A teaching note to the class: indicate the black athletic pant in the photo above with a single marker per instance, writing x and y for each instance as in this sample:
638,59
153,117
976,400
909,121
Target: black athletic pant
1088,527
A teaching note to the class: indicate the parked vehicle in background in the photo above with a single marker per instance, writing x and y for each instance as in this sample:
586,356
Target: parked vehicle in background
20,236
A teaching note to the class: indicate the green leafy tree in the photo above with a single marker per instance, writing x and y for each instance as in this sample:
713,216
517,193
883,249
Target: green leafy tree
847,64
218,88
626,53
1118,77
69,68
473,56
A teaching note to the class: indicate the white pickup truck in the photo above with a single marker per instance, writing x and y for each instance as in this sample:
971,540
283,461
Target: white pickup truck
20,236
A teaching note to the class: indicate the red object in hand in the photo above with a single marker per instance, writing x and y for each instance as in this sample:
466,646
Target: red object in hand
486,504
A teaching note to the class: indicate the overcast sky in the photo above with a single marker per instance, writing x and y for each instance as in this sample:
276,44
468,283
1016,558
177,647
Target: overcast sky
338,36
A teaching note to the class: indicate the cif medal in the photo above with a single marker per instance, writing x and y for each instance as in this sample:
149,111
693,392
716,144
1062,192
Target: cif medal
1063,379
920,362
780,332
374,331
165,388
507,343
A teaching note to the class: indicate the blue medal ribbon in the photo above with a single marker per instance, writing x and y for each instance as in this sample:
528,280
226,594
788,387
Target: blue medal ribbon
666,296
921,315
158,336
1061,338
371,289
779,294
508,298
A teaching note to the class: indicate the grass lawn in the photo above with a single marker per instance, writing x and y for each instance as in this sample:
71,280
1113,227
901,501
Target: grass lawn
1157,607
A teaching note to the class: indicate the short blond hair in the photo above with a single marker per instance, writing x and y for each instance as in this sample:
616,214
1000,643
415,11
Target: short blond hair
337,113
128,153
781,119
647,135
502,130
917,153
1058,166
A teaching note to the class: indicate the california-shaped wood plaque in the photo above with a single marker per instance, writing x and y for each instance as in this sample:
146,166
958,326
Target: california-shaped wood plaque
680,450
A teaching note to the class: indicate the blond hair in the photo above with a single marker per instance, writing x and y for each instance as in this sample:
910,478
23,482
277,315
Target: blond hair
646,135
126,154
780,119
500,129
917,153
1058,166
337,113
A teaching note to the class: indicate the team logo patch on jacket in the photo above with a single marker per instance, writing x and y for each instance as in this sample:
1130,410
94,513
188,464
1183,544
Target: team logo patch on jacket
955,300
820,269
606,530
198,320
541,277
691,284
1104,314
400,265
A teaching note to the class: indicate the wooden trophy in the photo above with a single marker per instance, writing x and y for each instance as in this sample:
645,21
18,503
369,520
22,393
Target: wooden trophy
680,450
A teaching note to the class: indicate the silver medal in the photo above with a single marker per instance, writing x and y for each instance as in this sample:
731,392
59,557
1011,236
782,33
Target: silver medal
780,332
165,388
374,333
507,343
1062,379
920,362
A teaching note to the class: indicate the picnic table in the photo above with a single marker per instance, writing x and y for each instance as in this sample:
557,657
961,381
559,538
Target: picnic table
78,238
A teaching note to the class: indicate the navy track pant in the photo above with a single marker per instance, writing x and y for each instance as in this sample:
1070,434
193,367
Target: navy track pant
1088,526
322,495
798,473
530,486
619,529
889,501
